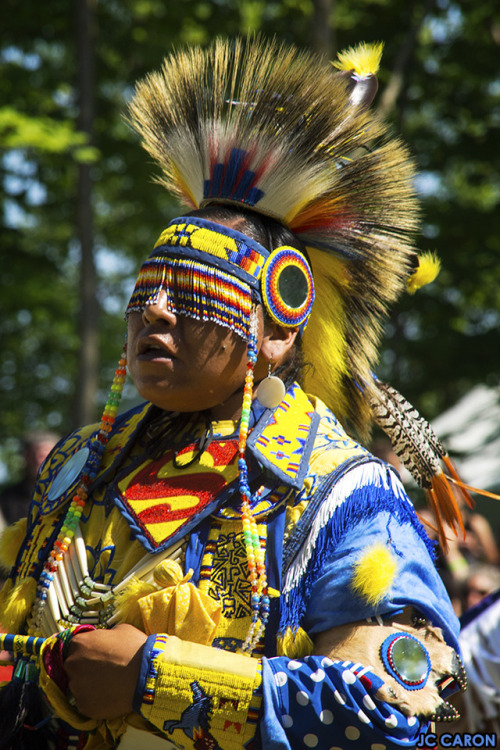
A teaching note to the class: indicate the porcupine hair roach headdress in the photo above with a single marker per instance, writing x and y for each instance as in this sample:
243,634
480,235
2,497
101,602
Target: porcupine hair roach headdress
263,126
273,129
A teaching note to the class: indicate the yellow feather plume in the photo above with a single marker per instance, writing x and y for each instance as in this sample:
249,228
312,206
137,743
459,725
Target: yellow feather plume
10,542
429,266
374,573
16,603
364,59
326,333
4,596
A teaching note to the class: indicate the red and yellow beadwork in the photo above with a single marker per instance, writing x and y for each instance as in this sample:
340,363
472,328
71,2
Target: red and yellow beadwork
288,287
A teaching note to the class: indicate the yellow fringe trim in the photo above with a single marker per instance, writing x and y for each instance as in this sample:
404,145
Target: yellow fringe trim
10,542
363,59
294,644
429,266
374,573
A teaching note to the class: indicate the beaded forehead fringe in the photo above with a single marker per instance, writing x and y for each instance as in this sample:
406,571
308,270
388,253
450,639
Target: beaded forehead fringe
196,290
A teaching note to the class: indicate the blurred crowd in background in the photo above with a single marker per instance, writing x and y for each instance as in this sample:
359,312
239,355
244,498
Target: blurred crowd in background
470,568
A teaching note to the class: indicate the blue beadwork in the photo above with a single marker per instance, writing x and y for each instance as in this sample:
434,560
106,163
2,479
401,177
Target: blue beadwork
394,663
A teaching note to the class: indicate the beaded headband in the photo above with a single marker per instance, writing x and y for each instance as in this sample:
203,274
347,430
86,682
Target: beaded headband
211,272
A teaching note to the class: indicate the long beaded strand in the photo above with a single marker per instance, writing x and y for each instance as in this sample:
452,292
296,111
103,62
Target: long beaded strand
255,553
75,510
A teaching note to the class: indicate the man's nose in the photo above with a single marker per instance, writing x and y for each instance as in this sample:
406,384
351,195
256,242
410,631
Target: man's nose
159,310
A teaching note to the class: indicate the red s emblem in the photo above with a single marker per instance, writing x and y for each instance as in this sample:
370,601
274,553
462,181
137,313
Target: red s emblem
162,498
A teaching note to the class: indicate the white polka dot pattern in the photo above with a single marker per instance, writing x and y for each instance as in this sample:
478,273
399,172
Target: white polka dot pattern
310,740
318,676
323,706
280,679
339,698
348,677
302,698
368,703
352,733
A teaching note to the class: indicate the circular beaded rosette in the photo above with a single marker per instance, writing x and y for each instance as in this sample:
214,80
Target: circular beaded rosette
288,287
406,659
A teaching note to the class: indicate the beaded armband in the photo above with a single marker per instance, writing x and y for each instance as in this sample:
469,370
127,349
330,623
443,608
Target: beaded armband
189,691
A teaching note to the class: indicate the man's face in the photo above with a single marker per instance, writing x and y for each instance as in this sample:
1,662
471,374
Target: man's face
182,364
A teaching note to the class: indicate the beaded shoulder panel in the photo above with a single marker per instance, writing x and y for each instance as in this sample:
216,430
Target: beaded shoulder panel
125,428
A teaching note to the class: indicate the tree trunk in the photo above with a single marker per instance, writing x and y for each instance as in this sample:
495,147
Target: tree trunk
322,33
389,97
88,365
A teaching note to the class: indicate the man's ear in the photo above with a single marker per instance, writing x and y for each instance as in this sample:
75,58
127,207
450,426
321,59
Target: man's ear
277,342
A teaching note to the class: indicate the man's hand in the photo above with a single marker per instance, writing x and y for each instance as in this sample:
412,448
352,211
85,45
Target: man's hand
103,668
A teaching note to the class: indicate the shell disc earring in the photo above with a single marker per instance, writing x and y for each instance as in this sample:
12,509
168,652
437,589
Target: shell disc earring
271,391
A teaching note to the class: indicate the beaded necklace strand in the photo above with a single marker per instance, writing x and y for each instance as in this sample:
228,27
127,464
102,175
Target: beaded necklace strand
255,553
75,510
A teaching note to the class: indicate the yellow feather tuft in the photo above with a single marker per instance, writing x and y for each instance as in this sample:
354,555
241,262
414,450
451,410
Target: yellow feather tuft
325,332
374,573
16,603
10,542
294,644
363,59
429,266
4,596
127,602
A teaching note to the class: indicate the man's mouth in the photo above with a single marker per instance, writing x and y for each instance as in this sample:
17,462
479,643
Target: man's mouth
151,349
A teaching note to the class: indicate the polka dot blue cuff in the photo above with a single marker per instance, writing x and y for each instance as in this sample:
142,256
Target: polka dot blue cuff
319,703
